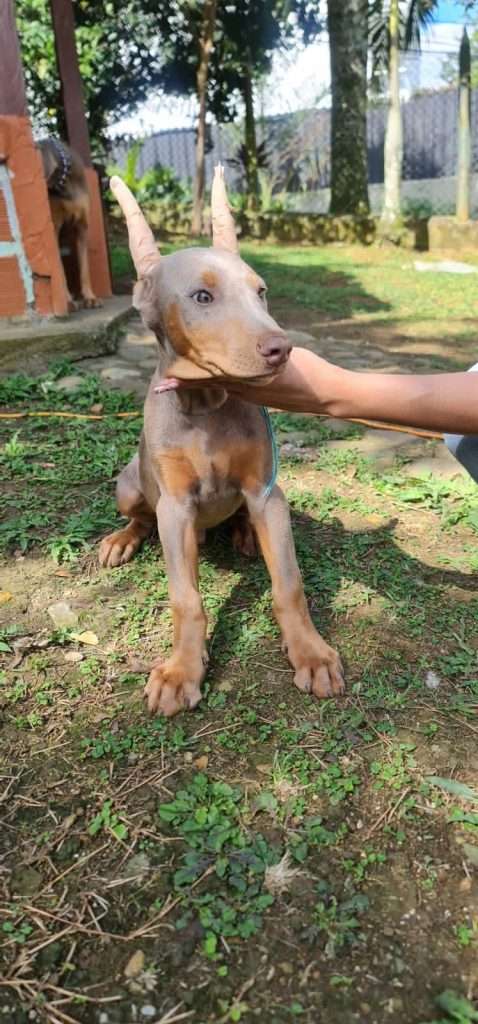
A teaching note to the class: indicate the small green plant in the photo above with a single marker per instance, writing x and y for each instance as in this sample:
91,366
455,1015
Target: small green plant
337,922
18,932
208,817
108,820
458,1009
466,935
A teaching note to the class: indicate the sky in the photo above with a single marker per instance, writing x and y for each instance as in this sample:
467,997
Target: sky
301,78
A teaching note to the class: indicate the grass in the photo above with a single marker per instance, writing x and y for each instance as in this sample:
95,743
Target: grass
264,856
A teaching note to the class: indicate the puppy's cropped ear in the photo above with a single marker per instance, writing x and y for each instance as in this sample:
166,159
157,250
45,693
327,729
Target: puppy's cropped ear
142,245
223,227
146,301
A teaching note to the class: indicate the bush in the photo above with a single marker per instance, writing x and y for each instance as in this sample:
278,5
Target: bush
158,184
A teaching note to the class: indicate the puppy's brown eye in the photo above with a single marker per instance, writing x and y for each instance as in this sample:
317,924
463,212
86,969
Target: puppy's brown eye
203,297
262,292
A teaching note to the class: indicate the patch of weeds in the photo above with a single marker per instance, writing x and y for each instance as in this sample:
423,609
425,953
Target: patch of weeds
396,771
458,1009
467,935
18,931
137,739
314,833
358,870
313,430
208,816
6,634
99,516
13,454
453,500
337,781
336,922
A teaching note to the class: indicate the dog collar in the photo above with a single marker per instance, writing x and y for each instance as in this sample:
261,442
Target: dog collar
58,179
274,452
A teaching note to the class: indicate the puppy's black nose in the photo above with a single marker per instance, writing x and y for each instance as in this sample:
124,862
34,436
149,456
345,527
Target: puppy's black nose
275,349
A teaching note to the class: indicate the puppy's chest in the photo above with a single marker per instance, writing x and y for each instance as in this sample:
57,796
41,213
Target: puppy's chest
214,472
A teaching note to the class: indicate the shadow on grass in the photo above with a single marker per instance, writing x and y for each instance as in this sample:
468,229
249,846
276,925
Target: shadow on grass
417,620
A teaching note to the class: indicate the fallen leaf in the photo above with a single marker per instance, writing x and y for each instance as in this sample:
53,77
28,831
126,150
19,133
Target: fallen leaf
135,964
85,638
73,656
201,763
5,596
97,408
62,572
454,787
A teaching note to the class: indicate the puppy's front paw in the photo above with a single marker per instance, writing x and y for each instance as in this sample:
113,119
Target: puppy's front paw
318,669
174,685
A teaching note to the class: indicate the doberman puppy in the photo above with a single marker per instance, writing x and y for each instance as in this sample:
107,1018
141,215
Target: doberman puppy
69,204
204,455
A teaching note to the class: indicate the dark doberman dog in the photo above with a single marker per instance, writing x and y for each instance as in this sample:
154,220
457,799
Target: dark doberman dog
204,455
69,204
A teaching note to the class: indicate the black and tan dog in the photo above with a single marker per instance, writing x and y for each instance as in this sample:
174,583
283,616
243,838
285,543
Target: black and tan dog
69,204
204,455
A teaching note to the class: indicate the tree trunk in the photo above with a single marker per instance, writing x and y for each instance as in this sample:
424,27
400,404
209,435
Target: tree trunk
348,32
393,152
464,133
250,140
205,47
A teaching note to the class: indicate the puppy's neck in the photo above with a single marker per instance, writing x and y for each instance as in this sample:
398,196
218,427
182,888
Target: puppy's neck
194,401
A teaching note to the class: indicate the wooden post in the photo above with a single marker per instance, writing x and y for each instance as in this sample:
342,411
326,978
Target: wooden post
12,85
79,139
31,274
71,84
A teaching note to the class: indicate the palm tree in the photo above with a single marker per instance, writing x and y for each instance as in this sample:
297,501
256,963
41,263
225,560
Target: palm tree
395,26
464,133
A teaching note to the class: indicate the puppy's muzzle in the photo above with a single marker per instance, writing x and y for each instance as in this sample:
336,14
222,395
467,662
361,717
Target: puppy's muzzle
275,349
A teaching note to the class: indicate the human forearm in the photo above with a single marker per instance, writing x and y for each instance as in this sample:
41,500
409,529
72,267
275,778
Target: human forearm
446,402
443,402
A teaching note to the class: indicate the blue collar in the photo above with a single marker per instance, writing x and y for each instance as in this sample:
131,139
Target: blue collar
275,456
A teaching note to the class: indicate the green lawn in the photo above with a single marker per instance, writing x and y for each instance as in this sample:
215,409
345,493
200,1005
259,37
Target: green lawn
265,857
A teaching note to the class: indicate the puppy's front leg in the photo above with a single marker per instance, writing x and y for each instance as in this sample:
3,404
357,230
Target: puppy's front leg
317,666
174,684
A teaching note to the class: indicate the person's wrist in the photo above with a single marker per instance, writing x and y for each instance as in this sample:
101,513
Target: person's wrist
332,387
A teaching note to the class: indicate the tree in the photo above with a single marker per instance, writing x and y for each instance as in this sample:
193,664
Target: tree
464,132
393,29
348,39
450,67
205,46
250,31
118,55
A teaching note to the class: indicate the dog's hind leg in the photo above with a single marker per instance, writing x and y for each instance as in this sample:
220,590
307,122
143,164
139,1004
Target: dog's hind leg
243,536
120,546
317,667
87,293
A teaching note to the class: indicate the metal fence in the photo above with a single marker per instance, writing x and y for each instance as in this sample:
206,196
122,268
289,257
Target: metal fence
298,153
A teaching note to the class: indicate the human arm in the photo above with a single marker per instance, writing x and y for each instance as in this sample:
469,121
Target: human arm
445,402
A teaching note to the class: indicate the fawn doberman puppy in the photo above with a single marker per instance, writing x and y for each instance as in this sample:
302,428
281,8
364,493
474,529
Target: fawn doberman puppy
69,201
205,456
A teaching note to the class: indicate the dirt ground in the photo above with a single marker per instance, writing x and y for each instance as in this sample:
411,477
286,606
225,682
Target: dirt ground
264,856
